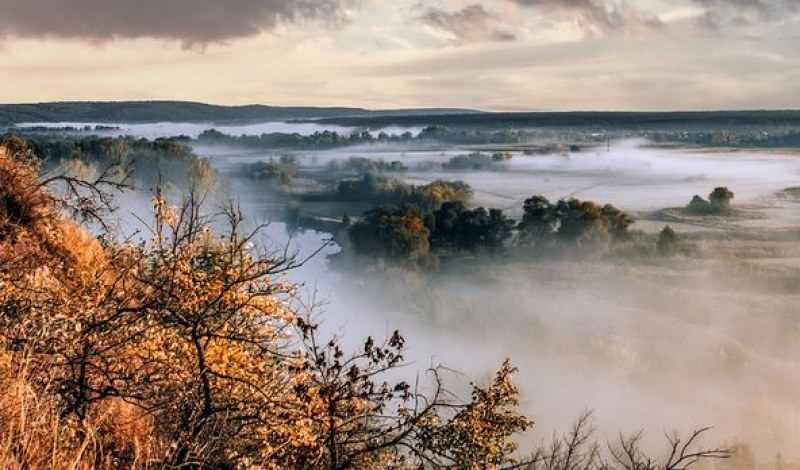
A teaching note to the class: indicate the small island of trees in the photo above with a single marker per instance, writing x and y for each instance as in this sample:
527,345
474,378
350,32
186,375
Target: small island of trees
719,202
412,232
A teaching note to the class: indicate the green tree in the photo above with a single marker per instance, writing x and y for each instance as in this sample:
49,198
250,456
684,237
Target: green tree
391,231
455,226
539,220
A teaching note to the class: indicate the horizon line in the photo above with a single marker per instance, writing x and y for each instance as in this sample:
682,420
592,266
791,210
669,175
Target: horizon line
458,109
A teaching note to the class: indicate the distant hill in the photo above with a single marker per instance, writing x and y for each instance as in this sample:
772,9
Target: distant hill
585,120
182,111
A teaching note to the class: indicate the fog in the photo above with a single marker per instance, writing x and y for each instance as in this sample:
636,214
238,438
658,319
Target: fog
193,130
630,176
710,339
653,347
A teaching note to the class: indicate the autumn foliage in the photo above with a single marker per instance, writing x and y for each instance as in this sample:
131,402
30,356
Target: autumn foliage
189,350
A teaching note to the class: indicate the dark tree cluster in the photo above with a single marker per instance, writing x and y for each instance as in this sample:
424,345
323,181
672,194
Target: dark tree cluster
758,137
362,165
410,233
719,202
668,241
571,221
443,133
392,231
455,226
376,188
280,172
86,128
332,139
790,194
477,161
318,140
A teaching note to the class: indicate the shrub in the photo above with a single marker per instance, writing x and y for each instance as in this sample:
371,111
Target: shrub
719,202
667,241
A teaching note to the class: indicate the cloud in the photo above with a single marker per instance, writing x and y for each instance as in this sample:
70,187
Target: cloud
472,23
759,5
725,14
192,22
599,16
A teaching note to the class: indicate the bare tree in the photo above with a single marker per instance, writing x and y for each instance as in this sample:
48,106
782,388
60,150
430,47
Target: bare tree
579,450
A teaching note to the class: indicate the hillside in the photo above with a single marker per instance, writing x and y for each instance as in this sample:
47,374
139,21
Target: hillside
182,111
584,119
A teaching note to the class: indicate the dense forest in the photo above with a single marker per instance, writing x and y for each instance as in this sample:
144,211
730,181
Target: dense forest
190,351
589,119
176,111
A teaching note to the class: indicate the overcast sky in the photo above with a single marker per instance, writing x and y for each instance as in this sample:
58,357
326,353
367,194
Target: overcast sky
490,54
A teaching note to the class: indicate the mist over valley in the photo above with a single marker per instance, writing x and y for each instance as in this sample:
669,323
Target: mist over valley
703,332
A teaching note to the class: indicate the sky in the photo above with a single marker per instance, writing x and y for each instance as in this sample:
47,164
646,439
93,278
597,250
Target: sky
502,55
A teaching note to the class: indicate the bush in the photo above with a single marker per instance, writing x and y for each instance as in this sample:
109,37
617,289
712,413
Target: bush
277,173
667,241
719,202
720,198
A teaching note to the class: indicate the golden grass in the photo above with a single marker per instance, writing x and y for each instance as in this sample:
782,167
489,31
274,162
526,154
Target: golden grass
34,436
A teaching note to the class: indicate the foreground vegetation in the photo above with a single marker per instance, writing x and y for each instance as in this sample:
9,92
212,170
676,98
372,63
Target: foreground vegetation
146,163
187,350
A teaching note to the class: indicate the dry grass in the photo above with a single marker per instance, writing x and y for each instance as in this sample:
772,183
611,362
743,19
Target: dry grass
34,436
37,245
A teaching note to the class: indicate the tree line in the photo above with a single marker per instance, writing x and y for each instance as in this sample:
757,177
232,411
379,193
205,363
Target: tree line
146,162
333,139
413,232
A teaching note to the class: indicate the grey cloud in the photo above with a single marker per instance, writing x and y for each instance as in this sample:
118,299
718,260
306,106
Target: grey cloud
508,58
595,16
722,14
613,73
188,21
472,23
760,5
